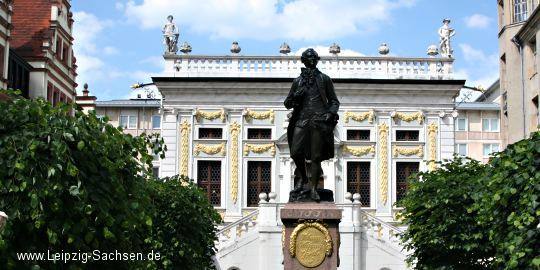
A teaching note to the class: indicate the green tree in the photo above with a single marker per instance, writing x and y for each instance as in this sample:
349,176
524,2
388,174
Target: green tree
508,207
442,228
70,182
184,230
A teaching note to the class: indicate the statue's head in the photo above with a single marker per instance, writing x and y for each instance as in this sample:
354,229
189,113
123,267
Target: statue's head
446,21
170,18
310,58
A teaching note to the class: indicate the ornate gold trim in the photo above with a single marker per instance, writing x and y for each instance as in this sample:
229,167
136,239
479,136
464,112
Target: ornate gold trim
383,162
185,128
260,148
370,116
234,129
359,150
408,117
210,115
249,114
210,149
316,225
432,138
408,151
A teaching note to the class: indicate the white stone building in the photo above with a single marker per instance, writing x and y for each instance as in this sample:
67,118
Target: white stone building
224,124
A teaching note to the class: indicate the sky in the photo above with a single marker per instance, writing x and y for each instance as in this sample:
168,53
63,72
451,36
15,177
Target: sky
119,42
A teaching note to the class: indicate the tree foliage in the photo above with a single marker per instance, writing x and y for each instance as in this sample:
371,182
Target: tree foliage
466,215
71,182
509,205
184,228
442,229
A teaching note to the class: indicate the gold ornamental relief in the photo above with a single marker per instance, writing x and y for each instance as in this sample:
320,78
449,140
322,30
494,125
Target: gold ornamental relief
259,149
359,150
249,114
210,149
359,117
407,151
310,243
209,115
408,117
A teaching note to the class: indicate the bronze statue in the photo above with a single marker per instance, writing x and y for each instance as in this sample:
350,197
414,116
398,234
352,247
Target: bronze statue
310,132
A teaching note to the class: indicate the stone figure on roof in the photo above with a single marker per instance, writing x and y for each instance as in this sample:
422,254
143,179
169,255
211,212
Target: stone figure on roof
170,36
446,33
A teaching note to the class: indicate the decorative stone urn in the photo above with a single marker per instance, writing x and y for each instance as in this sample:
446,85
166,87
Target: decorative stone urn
186,48
384,49
235,48
284,48
334,49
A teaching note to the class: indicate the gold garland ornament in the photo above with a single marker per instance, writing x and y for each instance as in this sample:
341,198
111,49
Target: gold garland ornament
209,115
210,149
234,129
184,147
370,116
249,114
260,148
310,243
432,137
407,151
383,162
359,150
408,117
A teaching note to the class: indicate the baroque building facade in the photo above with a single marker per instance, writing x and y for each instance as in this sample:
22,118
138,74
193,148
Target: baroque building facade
224,124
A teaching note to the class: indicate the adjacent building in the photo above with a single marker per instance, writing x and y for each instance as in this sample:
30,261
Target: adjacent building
41,40
519,22
477,125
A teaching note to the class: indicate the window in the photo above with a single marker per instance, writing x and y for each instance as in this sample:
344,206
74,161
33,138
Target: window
156,121
490,124
65,51
403,171
461,149
407,135
490,148
259,133
49,92
58,48
520,10
258,180
209,180
358,135
210,133
155,171
358,180
128,121
461,124
56,97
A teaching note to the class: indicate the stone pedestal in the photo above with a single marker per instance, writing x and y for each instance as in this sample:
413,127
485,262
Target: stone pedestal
310,237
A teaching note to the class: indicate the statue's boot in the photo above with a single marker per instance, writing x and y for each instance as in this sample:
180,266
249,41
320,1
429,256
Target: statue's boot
315,195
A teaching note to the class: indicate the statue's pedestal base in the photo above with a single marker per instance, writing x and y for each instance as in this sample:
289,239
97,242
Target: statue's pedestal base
311,236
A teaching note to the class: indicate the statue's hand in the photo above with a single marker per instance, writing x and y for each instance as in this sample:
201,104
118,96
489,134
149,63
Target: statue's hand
299,94
329,117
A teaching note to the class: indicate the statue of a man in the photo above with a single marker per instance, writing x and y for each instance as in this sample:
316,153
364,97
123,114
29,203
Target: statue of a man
446,32
310,132
170,36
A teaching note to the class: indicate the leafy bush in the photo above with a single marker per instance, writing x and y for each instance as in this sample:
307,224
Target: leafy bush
442,229
509,205
466,215
184,228
70,182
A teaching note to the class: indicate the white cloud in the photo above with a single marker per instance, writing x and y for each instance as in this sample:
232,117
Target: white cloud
323,51
478,21
482,69
313,20
110,50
